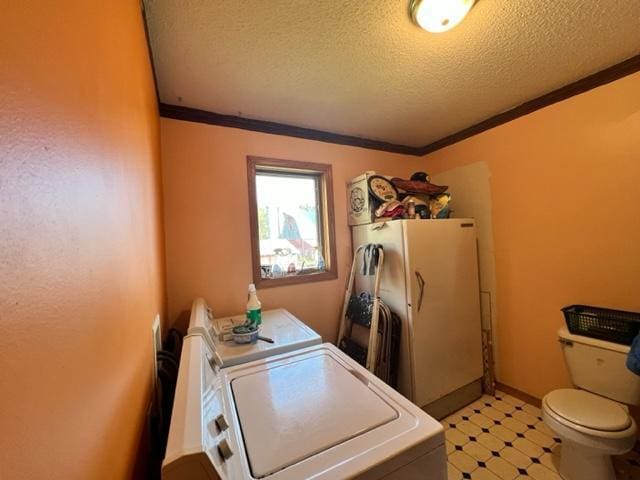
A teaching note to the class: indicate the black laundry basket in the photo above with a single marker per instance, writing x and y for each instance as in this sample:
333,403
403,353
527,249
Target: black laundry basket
603,323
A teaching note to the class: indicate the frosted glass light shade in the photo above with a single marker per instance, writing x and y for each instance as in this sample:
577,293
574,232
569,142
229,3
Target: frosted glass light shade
439,15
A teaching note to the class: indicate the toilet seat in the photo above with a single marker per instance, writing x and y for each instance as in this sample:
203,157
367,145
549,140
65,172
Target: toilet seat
588,410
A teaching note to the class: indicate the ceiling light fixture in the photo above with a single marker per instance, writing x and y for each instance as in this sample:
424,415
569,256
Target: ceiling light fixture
437,16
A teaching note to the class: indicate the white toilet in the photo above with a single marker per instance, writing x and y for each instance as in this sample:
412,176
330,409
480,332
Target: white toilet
592,420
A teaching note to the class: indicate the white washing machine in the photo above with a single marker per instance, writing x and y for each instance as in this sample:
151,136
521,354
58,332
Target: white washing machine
287,332
311,413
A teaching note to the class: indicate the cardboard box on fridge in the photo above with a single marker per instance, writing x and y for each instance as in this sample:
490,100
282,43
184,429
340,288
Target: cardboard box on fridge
360,204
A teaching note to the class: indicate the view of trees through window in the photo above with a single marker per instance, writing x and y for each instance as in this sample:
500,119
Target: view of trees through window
289,224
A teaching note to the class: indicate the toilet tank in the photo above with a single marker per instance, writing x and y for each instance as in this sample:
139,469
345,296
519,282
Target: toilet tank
600,367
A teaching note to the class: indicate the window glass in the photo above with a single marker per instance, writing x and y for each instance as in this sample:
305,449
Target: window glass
289,224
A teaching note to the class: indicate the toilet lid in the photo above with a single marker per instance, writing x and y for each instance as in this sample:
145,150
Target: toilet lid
588,410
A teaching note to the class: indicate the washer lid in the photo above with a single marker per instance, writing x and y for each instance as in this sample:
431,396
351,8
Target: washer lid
293,411
588,410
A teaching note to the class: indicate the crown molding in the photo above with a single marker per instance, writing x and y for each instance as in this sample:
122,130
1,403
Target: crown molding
202,116
608,75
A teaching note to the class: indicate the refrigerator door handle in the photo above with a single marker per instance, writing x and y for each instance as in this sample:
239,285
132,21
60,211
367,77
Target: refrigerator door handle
421,285
378,226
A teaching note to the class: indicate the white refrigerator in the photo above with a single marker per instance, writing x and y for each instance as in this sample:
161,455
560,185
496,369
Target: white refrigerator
430,280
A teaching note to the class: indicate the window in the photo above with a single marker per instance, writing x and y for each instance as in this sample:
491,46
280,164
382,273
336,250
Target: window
291,215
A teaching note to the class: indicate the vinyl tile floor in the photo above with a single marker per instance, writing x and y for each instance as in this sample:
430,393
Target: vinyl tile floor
503,438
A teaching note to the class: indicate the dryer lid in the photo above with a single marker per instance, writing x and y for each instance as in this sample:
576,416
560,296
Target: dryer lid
588,410
296,410
287,332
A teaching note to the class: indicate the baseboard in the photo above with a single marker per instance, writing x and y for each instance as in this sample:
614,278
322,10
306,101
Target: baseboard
519,394
455,400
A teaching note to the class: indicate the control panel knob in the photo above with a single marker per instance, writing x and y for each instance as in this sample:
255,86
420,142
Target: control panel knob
212,362
215,361
224,449
221,422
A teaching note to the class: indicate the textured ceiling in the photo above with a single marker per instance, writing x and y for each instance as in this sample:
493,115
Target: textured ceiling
362,68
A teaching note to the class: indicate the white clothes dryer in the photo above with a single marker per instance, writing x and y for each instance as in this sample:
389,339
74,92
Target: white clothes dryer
287,332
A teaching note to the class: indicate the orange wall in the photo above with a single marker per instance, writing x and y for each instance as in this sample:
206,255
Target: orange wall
208,250
81,268
565,184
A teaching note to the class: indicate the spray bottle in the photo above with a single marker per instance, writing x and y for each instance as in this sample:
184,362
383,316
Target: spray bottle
254,307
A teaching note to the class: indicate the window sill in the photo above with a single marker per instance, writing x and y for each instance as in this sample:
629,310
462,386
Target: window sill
295,279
